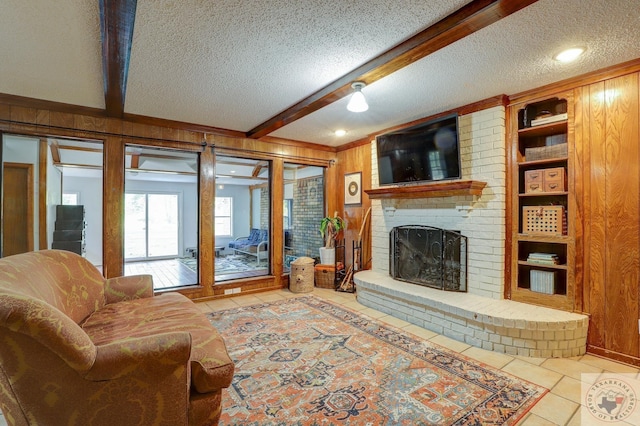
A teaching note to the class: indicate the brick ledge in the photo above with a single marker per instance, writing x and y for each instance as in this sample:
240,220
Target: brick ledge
500,325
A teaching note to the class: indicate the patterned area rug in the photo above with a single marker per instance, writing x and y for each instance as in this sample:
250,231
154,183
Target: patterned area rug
306,361
229,264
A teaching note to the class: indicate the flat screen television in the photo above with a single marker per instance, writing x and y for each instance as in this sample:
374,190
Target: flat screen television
427,152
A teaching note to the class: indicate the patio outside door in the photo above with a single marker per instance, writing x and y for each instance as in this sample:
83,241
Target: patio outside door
151,225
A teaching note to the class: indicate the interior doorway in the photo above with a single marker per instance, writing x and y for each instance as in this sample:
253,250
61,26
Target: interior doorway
17,205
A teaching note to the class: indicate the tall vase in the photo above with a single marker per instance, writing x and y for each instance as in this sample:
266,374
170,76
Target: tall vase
327,255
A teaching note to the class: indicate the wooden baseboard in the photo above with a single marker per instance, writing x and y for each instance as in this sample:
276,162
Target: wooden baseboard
616,356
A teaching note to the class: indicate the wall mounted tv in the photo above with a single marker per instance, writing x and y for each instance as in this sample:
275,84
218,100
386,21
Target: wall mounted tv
427,152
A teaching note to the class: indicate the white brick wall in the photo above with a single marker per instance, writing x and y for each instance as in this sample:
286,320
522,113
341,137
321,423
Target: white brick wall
496,325
480,219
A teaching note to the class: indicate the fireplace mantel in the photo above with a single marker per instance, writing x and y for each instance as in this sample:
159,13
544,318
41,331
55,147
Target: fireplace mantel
428,190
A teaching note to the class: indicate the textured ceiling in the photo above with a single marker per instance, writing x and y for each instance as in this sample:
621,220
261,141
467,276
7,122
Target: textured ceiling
235,64
50,49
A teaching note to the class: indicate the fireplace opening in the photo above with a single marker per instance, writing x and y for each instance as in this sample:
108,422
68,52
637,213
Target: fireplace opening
429,256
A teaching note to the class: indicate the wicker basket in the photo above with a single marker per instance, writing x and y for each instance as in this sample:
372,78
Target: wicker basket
325,276
546,152
301,275
544,220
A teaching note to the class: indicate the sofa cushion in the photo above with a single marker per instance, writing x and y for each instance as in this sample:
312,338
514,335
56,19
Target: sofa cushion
64,280
211,367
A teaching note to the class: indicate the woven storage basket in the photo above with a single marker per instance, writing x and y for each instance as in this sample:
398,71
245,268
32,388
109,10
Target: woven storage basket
301,275
545,152
325,276
544,220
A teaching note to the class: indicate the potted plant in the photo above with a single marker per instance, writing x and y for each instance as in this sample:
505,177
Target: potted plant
329,229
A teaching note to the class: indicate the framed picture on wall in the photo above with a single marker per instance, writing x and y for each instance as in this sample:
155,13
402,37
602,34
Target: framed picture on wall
353,189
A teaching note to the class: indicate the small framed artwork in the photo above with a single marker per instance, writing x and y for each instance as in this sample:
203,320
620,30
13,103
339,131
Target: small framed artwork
353,189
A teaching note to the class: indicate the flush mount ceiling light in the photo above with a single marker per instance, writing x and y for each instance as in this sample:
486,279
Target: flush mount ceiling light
569,55
358,103
340,132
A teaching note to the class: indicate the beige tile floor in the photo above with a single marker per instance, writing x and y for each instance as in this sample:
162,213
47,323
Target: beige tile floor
560,406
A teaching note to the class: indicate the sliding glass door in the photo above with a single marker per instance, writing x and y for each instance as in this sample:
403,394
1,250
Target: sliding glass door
161,215
151,225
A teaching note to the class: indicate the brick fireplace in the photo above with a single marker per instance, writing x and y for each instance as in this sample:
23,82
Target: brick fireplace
481,317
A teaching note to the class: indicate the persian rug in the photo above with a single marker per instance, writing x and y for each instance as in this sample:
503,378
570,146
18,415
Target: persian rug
306,361
229,264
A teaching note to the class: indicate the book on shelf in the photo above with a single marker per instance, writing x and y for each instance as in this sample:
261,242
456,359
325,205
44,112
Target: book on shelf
542,281
543,258
549,119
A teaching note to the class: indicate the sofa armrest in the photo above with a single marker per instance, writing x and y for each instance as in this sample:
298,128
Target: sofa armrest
149,355
128,288
49,327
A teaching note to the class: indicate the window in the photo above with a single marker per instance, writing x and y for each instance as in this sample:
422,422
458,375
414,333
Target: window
223,221
71,198
288,210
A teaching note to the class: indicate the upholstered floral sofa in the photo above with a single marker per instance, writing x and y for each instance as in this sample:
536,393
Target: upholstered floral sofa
78,349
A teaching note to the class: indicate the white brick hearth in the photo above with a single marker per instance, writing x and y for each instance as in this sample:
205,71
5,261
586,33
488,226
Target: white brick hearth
498,325
480,317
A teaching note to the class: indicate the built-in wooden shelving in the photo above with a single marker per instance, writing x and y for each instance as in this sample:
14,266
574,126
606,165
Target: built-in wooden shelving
428,190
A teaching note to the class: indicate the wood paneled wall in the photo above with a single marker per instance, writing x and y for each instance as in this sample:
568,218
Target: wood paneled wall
610,136
355,159
49,119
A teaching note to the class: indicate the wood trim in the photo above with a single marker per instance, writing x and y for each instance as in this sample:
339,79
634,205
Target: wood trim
41,104
55,151
608,354
581,80
494,101
206,215
43,242
468,19
298,144
113,208
354,144
182,125
276,243
511,168
116,23
428,190
135,161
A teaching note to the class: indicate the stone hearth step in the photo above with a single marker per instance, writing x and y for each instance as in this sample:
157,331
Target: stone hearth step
499,325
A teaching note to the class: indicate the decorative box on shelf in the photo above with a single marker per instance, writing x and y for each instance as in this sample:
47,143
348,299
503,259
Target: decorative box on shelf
545,180
547,119
544,220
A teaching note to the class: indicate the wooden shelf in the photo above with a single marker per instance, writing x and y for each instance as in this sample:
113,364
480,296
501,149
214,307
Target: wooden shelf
557,300
428,190
543,162
544,130
543,194
541,265
556,239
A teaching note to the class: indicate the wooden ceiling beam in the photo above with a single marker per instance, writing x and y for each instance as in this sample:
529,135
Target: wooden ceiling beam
135,161
116,23
55,152
470,18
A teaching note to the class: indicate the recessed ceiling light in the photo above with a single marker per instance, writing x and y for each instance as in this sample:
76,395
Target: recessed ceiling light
569,55
340,132
232,171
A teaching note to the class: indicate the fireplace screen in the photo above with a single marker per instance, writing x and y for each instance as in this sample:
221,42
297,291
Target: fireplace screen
429,256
